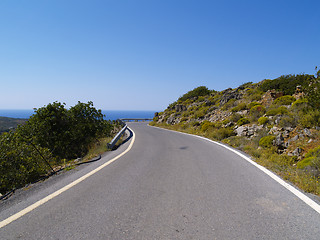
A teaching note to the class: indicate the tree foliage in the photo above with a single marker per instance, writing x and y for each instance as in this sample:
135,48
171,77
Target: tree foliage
51,134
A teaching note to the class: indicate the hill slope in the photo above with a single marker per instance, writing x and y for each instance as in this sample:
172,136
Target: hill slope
276,121
7,123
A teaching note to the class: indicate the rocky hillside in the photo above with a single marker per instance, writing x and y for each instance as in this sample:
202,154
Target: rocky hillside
274,119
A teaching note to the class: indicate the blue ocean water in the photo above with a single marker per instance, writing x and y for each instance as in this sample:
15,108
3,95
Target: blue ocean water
109,114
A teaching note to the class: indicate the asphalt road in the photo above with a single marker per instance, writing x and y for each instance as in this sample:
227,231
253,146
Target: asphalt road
167,186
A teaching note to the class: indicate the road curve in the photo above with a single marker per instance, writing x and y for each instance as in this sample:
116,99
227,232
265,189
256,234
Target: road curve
168,186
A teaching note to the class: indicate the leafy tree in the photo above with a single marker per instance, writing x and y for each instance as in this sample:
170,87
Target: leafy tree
87,124
21,161
66,133
50,128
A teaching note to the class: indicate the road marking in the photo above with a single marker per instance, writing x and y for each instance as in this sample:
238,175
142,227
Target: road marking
315,206
65,188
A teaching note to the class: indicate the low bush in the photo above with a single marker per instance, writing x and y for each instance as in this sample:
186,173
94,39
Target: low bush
239,107
206,125
302,102
229,104
288,121
252,104
284,100
223,133
195,93
277,111
263,120
305,162
310,119
243,121
267,141
257,110
235,117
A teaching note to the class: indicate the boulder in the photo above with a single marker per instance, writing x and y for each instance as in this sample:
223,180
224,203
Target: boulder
171,120
307,132
295,138
241,131
279,141
229,94
297,152
180,108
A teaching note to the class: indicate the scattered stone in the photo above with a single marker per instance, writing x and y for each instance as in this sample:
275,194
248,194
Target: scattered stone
297,152
269,96
274,130
171,120
286,134
289,129
307,132
243,112
229,124
180,108
241,131
279,141
295,138
229,94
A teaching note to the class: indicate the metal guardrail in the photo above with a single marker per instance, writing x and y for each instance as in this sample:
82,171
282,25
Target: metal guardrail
136,119
113,142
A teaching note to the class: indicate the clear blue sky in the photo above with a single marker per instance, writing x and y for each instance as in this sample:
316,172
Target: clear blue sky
144,54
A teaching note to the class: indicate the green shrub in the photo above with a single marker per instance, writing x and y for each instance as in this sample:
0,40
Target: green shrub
21,161
245,85
235,117
315,152
266,141
200,113
305,162
257,110
197,92
277,111
226,121
288,121
252,104
284,100
242,121
206,125
263,120
312,158
229,104
239,107
286,83
223,133
310,118
300,103
256,96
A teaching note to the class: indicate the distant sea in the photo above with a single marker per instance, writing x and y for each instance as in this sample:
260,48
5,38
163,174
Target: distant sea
110,114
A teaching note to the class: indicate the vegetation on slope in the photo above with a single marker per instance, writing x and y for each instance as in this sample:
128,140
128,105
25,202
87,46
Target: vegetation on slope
276,121
51,137
7,124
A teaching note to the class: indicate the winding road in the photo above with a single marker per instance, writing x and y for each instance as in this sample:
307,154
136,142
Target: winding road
160,185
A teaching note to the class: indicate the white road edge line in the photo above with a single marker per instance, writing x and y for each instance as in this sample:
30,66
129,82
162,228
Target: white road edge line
315,206
65,188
